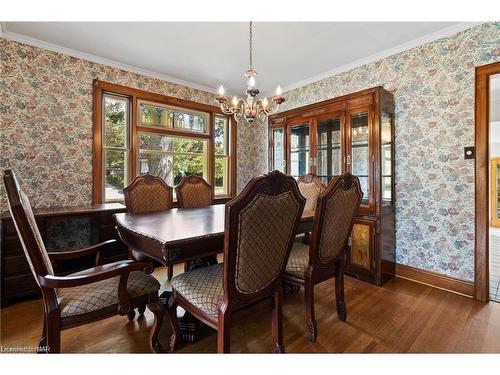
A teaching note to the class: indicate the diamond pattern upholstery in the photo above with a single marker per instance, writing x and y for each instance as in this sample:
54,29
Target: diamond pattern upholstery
299,260
339,212
147,194
310,187
92,297
195,193
264,229
202,287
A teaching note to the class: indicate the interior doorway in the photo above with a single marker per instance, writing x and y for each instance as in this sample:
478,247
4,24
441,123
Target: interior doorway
487,183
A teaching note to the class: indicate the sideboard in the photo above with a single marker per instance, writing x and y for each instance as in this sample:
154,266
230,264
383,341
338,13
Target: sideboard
61,229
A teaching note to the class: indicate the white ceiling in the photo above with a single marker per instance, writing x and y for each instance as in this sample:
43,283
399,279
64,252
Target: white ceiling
206,54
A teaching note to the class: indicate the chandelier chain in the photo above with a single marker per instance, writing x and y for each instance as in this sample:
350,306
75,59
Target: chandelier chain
250,43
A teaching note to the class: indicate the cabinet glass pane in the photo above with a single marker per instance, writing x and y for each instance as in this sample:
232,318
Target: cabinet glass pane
360,151
299,150
279,150
329,157
386,152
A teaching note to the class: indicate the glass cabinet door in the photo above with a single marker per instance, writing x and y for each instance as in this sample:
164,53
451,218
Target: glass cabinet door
278,156
359,156
329,148
299,150
386,157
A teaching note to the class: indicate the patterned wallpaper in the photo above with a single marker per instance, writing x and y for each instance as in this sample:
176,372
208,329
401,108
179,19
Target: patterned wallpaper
433,87
46,128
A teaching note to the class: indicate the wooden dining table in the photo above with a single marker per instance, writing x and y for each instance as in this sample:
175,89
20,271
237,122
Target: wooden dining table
181,234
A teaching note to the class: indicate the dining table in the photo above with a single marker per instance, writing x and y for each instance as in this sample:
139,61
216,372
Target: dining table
180,235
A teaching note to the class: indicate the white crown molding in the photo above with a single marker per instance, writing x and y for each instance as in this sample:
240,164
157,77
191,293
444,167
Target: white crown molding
97,59
443,33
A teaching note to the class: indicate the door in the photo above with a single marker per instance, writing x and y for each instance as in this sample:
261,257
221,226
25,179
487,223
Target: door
359,153
299,159
329,147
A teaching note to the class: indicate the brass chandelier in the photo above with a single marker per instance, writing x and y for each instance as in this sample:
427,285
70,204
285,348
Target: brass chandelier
252,108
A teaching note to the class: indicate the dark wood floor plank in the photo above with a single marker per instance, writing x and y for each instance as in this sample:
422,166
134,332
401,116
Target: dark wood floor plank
399,317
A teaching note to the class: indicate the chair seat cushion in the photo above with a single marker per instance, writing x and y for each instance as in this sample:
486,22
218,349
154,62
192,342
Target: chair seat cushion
96,296
298,261
202,287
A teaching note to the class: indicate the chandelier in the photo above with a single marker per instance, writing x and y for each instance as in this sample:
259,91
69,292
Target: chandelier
251,108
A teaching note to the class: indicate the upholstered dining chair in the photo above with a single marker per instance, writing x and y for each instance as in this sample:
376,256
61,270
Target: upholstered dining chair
195,192
325,257
310,186
85,296
260,226
147,194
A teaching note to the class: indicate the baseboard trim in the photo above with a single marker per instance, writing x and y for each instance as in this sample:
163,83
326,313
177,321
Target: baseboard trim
435,280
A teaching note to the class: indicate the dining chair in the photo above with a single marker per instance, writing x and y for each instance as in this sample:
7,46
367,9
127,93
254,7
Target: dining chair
325,257
260,226
310,186
195,192
147,194
86,296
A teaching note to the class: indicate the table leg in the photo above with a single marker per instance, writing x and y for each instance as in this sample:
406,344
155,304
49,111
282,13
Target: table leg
188,324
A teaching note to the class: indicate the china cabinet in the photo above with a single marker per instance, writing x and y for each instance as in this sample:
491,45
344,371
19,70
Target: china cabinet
352,133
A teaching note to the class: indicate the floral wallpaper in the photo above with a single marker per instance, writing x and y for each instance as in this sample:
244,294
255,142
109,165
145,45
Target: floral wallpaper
433,87
46,122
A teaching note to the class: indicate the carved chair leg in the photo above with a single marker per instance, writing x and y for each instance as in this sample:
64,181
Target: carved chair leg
174,322
312,328
170,272
277,321
157,309
53,332
339,294
141,309
224,332
131,315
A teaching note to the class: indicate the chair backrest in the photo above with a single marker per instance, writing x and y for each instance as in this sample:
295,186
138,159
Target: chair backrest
148,194
334,217
310,187
27,229
193,192
260,226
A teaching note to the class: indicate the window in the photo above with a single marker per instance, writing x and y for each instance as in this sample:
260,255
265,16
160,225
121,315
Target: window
172,158
221,137
116,121
136,132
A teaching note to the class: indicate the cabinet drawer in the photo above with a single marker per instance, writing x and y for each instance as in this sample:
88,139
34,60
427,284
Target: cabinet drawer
15,265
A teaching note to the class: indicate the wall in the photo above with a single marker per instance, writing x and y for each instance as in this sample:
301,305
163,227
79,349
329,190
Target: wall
46,129
433,87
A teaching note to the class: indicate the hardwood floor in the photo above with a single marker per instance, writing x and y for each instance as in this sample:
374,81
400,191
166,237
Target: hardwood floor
399,317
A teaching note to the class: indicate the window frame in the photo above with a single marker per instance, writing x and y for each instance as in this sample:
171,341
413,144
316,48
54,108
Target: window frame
136,96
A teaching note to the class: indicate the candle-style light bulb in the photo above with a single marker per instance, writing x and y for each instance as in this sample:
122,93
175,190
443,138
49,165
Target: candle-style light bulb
279,91
235,101
265,103
251,82
221,90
